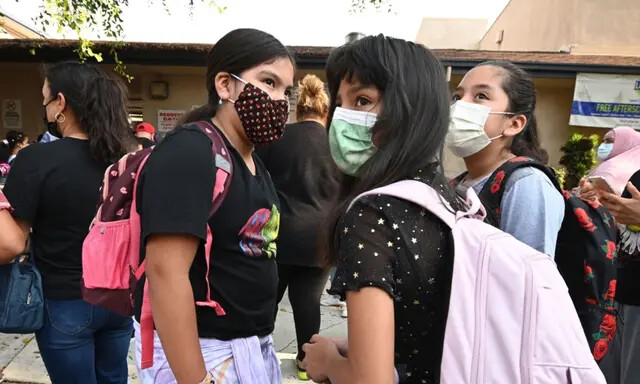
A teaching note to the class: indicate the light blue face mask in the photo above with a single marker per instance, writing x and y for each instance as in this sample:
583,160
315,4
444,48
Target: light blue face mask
604,151
350,139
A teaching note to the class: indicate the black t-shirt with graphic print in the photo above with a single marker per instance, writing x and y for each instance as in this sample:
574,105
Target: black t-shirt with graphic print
174,197
628,286
407,252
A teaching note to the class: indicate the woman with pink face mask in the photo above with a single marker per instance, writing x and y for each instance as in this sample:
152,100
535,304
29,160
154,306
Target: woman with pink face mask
249,79
493,122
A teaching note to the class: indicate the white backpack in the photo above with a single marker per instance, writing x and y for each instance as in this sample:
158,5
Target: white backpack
511,320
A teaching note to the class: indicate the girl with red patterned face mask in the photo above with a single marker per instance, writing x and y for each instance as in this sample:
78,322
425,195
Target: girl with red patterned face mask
263,119
249,80
253,104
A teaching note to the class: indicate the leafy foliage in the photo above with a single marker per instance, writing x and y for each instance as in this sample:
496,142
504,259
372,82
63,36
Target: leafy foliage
579,158
358,6
561,175
104,17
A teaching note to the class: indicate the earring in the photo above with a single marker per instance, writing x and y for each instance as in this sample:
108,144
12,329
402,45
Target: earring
58,115
220,102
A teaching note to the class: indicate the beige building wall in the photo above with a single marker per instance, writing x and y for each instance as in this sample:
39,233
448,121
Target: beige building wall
11,29
579,26
555,98
23,82
186,87
451,33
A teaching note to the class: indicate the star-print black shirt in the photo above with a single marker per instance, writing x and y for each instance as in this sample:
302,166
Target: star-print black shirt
407,252
174,196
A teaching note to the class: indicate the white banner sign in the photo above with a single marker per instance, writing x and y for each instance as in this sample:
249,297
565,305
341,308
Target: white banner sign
167,119
12,114
606,101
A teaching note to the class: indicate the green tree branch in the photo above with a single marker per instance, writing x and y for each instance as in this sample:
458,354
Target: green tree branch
104,17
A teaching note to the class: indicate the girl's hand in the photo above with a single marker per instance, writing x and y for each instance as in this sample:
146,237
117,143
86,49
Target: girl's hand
343,346
321,354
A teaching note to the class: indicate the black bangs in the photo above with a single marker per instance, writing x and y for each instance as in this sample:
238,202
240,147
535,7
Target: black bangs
355,61
412,122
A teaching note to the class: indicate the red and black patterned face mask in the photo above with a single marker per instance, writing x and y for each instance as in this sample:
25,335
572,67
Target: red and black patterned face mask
262,118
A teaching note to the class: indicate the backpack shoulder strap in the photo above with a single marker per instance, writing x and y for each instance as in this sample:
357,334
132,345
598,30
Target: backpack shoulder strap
423,195
458,179
224,171
493,191
222,161
120,176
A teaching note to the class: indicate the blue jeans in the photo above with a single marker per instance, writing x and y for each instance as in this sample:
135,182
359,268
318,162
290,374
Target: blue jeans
84,344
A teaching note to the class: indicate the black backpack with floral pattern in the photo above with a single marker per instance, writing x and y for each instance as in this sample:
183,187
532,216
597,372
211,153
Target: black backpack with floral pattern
585,252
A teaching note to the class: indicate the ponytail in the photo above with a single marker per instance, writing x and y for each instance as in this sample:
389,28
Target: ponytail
313,101
99,103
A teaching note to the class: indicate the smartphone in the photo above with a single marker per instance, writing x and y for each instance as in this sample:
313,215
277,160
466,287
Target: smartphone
601,183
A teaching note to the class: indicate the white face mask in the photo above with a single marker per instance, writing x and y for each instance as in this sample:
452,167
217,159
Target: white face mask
466,134
604,151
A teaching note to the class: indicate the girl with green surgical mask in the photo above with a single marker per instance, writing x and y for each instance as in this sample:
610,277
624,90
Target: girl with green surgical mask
350,139
389,118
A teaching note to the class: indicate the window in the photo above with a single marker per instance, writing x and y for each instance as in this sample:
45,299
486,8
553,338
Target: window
135,115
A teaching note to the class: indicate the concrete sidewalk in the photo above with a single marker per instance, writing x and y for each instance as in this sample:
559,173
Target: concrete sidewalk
20,361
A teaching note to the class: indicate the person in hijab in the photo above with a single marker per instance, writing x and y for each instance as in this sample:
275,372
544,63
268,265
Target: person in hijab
619,154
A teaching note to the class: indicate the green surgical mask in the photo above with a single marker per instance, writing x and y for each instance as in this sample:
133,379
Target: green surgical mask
350,139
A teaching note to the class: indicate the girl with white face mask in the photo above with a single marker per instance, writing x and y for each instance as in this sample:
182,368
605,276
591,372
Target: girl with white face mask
492,122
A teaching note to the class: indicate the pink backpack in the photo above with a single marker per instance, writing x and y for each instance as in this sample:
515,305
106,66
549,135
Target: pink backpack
111,265
511,319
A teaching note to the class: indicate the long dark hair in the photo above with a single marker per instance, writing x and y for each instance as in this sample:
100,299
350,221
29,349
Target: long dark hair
519,87
99,102
414,119
236,52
